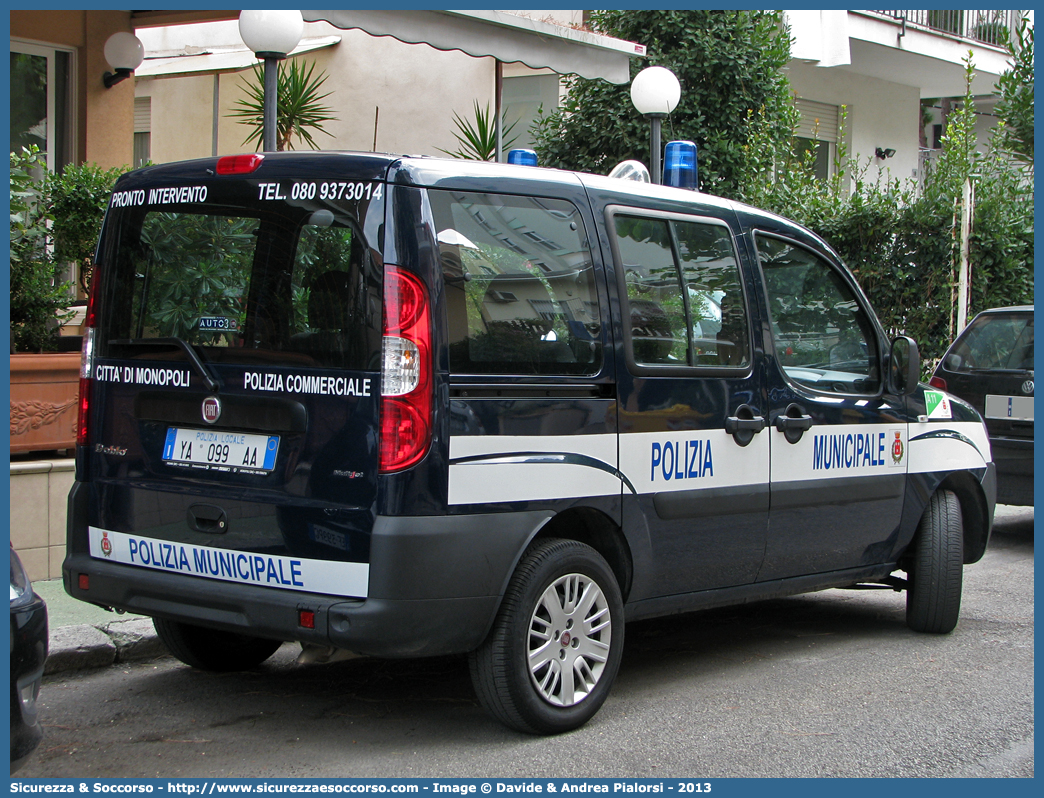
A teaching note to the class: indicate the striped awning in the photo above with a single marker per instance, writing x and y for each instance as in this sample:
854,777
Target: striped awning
496,34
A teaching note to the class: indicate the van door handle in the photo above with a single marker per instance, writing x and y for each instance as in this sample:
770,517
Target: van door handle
744,425
793,422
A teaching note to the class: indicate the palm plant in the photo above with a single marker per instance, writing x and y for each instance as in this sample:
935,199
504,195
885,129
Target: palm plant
299,111
478,141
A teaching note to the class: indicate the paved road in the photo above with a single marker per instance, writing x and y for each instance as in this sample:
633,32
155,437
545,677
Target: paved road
831,684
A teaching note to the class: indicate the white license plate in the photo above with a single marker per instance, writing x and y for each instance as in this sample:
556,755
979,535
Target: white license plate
1013,408
219,450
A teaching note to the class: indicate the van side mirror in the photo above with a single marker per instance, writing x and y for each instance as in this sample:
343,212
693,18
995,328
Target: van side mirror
904,366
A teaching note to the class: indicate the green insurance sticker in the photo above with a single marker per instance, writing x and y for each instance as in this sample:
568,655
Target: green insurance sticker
938,404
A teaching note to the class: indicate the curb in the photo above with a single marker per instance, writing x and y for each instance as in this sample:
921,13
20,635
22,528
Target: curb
86,646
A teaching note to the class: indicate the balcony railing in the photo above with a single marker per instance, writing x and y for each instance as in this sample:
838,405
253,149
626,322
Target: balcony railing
987,27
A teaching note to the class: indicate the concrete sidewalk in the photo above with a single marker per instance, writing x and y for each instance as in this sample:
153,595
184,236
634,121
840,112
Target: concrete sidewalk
84,636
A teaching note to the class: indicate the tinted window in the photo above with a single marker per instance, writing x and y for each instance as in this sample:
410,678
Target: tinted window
685,303
823,337
520,285
994,341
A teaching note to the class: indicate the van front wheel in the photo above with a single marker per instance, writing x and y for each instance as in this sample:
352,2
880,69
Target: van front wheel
211,650
554,649
933,598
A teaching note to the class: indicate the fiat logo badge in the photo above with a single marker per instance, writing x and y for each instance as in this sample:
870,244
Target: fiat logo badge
1027,387
211,409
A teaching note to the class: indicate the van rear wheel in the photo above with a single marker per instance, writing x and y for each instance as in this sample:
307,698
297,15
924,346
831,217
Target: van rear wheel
554,650
213,650
933,599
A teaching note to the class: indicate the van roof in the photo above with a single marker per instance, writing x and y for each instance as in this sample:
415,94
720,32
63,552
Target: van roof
466,175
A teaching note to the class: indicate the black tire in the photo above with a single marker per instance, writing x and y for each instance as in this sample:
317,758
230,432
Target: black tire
212,650
936,571
549,574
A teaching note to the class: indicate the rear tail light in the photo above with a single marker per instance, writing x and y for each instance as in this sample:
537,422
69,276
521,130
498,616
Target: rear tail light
937,382
87,368
239,164
406,380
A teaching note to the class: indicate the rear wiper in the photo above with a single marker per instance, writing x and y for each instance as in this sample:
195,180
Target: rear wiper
194,358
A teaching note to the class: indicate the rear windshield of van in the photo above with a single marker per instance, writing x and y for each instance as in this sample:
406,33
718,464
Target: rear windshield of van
239,278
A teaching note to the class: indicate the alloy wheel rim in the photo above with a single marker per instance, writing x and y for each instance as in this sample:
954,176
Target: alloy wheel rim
570,633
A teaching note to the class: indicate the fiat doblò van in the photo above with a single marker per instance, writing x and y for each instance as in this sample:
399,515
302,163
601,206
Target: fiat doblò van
410,407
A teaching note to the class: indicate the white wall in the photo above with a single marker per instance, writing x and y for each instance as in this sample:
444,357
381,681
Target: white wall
880,114
416,88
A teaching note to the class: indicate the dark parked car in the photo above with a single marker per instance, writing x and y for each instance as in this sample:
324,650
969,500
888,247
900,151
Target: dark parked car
990,365
28,653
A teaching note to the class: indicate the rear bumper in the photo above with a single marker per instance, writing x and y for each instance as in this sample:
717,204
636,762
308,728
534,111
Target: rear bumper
377,627
434,587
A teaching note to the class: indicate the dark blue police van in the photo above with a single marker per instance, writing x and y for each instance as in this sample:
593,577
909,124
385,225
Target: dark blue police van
406,407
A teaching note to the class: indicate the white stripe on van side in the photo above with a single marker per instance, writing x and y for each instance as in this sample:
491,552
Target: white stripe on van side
658,462
512,468
948,446
508,468
330,577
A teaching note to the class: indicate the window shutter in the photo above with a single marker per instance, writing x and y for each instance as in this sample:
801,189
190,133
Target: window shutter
818,121
142,114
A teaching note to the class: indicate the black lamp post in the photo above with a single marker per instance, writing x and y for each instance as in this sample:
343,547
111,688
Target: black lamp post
655,92
272,35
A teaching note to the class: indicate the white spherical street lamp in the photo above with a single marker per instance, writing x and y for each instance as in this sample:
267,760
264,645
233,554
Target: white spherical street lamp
124,52
655,92
272,35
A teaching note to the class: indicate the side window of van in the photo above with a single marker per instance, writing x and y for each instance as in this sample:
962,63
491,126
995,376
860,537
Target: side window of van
685,300
823,337
519,283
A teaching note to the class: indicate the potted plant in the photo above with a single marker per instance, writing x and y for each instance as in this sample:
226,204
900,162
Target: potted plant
299,109
55,219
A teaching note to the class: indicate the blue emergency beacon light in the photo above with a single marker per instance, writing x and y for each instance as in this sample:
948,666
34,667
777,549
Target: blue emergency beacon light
679,165
522,157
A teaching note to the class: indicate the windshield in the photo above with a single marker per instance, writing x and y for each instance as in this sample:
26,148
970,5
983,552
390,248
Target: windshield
238,278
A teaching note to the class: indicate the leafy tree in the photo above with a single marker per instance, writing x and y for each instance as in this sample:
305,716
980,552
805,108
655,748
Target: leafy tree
77,199
1015,86
300,110
729,65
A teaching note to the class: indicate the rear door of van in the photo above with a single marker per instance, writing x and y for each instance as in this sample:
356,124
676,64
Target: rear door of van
234,363
692,409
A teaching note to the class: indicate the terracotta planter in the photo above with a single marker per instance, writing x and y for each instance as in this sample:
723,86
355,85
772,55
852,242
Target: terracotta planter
44,393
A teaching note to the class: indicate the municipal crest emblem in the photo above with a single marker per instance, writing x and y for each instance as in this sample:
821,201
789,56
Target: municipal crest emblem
106,544
897,448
